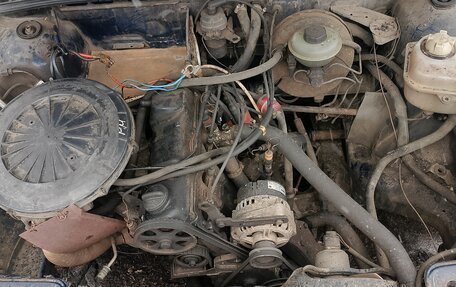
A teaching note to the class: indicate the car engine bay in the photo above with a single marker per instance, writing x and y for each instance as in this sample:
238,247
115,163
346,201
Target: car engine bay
250,143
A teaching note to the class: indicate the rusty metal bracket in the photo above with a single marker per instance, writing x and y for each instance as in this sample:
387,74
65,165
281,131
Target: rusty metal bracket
72,229
384,28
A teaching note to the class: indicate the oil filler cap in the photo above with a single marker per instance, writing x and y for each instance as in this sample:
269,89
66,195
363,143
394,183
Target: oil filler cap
64,142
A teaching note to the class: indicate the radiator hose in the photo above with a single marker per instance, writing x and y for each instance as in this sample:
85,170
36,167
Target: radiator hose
348,207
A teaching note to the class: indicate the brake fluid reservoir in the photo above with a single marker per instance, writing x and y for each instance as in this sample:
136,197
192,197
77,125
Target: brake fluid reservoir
430,73
315,46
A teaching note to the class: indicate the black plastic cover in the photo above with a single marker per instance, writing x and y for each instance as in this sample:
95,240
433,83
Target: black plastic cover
63,142
173,119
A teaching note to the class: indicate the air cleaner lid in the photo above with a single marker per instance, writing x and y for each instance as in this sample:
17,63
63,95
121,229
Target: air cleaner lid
63,142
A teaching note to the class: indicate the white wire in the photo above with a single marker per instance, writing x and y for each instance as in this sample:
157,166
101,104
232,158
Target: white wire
243,88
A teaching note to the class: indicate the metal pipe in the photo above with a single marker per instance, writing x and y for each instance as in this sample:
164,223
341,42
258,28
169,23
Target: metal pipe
320,110
302,130
107,268
327,135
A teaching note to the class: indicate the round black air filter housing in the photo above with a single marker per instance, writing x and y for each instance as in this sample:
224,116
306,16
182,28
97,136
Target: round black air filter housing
64,142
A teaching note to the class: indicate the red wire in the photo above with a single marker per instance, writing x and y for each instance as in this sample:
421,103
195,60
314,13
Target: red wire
87,56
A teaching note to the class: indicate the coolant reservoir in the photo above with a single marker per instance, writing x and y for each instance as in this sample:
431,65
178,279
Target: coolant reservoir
430,73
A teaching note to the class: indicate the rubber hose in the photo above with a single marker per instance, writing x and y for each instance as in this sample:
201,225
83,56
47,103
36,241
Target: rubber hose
254,34
244,19
440,133
349,208
389,63
239,76
408,160
288,167
345,230
78,257
398,101
170,168
235,172
402,129
361,33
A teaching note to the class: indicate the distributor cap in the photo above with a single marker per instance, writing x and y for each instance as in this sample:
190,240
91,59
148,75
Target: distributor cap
63,142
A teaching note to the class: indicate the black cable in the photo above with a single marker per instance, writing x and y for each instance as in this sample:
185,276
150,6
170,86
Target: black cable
145,179
214,113
55,70
232,105
183,168
224,108
249,141
199,125
230,153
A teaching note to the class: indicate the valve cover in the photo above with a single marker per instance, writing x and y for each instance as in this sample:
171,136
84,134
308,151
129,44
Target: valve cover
64,142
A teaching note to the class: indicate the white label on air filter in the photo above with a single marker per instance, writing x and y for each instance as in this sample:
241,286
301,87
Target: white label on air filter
276,186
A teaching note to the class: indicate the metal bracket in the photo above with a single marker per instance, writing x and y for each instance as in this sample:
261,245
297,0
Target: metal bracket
442,172
384,28
228,221
222,221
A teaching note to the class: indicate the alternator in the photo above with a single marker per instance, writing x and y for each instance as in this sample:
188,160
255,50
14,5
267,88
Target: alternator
263,198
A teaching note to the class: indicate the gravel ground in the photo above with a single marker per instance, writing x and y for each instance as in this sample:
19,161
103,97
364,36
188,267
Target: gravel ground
140,269
413,236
